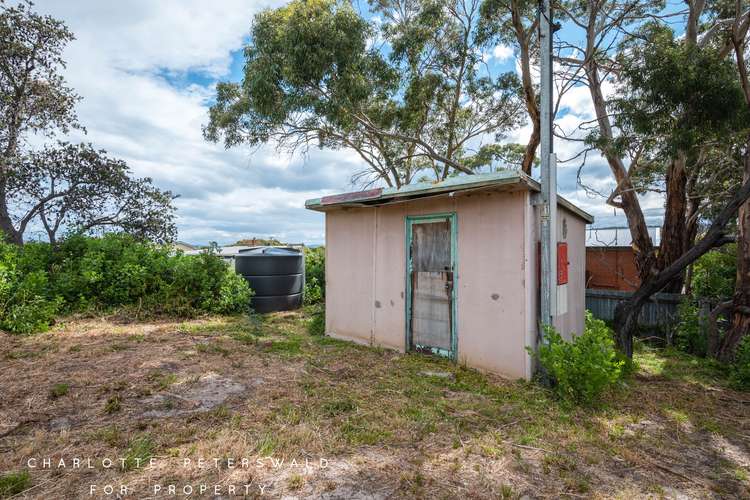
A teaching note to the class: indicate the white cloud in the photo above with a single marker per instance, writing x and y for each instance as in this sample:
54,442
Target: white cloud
502,53
131,62
146,71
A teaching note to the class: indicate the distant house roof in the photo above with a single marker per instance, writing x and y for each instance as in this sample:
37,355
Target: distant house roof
184,246
228,251
509,180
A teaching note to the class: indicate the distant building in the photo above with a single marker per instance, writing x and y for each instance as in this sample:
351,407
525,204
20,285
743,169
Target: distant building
185,247
611,268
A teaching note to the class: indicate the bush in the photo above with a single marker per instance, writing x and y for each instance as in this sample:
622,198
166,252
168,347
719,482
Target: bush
582,370
26,302
316,325
205,283
714,273
38,282
740,370
315,275
690,336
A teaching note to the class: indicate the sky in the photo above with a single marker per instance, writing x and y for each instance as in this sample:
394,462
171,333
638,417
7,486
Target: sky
146,71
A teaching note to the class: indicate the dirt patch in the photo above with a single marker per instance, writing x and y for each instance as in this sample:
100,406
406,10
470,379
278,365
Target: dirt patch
205,394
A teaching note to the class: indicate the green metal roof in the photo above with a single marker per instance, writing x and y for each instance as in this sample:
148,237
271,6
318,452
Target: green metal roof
380,196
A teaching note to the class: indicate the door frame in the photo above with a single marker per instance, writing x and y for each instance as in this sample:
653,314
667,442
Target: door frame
410,220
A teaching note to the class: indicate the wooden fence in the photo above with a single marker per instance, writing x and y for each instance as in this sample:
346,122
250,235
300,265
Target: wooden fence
660,311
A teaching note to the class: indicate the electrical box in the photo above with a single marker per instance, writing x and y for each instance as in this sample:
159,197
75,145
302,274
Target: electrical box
562,263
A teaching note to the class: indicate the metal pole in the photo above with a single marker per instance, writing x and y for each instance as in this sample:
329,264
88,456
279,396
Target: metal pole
548,216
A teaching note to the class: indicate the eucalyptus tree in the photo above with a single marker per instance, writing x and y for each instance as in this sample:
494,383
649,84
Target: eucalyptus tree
63,187
736,33
678,106
75,188
409,93
34,98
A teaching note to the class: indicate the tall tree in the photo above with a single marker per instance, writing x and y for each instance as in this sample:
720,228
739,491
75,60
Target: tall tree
75,188
317,73
663,129
740,326
34,98
66,187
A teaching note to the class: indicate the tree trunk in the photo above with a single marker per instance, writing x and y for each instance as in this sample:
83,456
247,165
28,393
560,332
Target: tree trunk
529,94
626,313
713,338
673,236
741,300
9,232
626,325
642,245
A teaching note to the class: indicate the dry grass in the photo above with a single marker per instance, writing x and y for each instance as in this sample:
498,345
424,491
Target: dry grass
94,388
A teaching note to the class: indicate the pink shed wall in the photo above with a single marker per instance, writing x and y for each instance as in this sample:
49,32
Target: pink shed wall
349,284
496,307
573,321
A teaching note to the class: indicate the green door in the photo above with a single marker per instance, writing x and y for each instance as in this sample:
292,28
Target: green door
431,284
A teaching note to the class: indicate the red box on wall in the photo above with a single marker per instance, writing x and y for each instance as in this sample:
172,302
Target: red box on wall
562,263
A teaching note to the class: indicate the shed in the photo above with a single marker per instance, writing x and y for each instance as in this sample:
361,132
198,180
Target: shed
450,268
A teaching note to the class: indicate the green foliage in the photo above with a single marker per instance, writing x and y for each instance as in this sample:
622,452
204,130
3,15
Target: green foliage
37,282
714,275
139,453
315,275
690,335
13,483
582,370
740,371
59,390
114,404
313,76
26,302
715,272
316,326
676,96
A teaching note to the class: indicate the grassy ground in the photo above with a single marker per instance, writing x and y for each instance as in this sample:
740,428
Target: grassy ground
383,423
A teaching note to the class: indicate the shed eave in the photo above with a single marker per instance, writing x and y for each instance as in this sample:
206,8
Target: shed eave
386,195
423,190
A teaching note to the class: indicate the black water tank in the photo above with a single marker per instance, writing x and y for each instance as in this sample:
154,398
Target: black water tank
276,275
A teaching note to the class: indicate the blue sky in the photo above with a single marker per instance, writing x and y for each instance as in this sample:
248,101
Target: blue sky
146,72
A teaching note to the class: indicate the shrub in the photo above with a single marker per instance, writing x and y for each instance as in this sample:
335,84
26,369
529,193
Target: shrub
234,295
715,272
205,283
582,370
740,370
26,304
315,275
313,292
38,282
690,336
